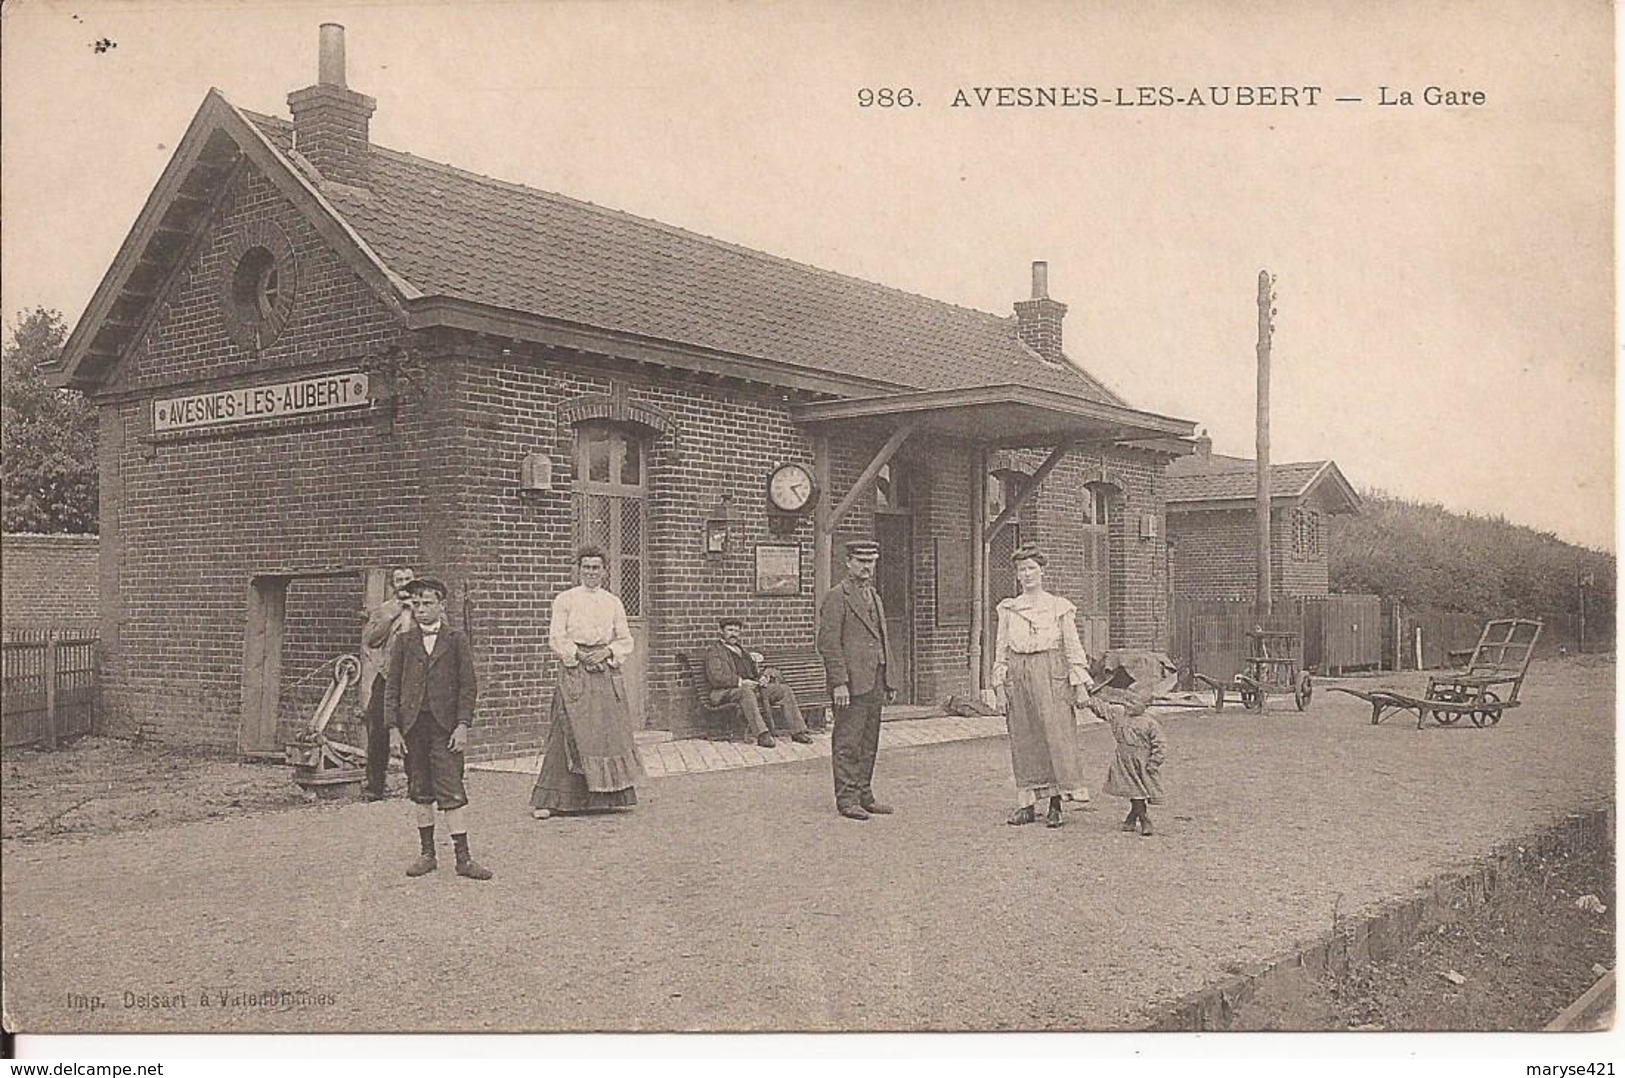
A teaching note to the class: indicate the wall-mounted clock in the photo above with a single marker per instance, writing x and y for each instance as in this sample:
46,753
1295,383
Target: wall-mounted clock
790,489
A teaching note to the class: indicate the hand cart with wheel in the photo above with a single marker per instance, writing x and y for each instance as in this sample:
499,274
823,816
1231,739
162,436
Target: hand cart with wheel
1273,667
1486,688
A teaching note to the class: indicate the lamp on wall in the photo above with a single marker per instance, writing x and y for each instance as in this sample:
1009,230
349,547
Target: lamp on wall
536,473
718,523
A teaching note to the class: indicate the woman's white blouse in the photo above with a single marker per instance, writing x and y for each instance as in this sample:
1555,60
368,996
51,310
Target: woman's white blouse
589,617
1039,621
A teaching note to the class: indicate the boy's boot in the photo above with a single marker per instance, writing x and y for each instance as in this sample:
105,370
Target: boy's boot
1145,824
425,863
466,865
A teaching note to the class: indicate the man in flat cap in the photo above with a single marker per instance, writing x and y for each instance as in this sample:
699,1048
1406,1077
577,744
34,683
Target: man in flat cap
857,655
736,677
429,700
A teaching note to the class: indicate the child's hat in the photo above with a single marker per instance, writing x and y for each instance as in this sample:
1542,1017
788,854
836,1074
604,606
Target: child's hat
423,584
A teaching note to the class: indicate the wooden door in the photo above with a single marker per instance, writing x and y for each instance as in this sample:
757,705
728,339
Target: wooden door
894,578
1001,584
1094,598
612,513
262,666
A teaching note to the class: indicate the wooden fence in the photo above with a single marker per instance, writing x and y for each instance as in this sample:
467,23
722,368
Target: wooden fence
47,686
1444,635
1337,633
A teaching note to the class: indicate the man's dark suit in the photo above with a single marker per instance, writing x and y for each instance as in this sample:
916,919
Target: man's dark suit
723,669
425,697
441,684
857,653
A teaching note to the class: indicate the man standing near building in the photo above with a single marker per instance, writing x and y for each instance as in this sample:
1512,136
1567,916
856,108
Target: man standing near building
387,621
735,678
857,654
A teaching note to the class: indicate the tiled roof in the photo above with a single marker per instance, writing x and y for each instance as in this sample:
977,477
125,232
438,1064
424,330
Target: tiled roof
1220,478
457,234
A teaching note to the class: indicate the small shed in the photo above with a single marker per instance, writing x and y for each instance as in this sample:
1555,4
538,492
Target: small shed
1212,529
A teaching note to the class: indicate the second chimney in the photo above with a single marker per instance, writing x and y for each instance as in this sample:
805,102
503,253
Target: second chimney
330,120
1038,320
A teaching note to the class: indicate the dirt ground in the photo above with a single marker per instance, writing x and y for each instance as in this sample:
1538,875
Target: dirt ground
1516,962
1513,962
134,886
101,786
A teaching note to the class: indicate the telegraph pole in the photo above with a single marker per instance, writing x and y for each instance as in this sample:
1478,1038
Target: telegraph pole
1585,580
1266,325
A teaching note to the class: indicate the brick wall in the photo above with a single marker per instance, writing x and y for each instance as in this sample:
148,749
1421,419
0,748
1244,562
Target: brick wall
937,478
189,519
321,621
48,581
943,511
516,549
1138,568
1215,556
428,475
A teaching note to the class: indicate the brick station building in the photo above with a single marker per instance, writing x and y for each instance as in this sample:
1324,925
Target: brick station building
315,358
1212,510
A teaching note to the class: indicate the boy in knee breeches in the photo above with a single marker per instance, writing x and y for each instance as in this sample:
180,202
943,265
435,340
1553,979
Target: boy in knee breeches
429,700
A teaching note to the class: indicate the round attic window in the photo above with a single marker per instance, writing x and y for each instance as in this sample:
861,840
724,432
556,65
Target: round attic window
257,286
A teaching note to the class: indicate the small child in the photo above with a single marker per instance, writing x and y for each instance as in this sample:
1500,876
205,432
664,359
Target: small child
1135,772
429,702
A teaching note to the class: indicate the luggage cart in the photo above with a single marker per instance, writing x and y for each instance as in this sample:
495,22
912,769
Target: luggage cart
1273,668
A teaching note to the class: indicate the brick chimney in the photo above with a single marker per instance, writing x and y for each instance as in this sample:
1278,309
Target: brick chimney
1038,320
1204,445
330,119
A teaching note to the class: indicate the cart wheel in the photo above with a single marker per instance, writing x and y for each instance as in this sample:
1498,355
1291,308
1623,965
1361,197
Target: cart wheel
1449,696
1482,719
348,667
1304,691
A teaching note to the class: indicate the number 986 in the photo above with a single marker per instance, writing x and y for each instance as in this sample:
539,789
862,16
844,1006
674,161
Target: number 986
886,98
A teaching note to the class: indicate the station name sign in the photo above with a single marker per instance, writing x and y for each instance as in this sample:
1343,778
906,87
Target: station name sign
329,393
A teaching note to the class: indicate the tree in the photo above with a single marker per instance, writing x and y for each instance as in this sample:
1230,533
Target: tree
47,436
1479,565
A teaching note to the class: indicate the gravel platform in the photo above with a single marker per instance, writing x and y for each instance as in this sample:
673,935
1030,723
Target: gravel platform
738,900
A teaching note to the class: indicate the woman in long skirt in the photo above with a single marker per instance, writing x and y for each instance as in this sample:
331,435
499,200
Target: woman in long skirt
590,762
1039,671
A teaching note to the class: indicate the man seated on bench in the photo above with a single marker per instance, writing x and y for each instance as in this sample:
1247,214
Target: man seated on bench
735,678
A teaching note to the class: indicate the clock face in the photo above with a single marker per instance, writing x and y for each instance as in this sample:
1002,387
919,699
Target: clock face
790,488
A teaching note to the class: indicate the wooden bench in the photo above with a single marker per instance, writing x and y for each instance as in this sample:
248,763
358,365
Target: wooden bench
802,670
